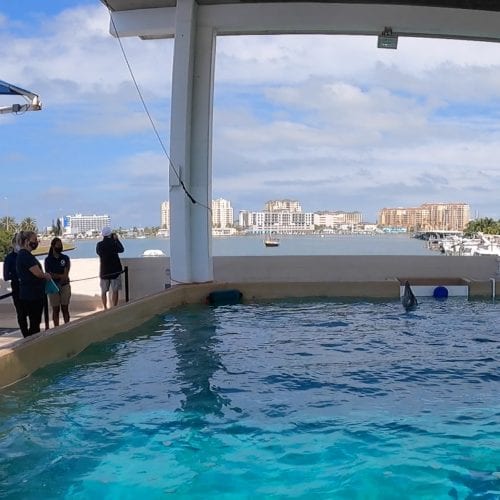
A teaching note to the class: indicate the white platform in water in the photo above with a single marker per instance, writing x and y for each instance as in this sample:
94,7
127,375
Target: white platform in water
428,290
153,253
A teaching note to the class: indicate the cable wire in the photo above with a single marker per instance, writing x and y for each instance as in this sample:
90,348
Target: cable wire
171,165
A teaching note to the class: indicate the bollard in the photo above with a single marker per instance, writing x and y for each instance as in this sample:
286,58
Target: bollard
168,282
127,290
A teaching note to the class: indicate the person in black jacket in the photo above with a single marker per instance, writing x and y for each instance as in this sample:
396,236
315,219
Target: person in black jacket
10,274
31,281
110,270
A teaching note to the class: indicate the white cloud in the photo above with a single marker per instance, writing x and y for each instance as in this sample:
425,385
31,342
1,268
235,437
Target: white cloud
325,119
345,117
74,56
290,59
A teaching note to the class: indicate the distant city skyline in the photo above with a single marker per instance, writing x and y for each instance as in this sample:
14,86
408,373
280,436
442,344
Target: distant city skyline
165,213
329,120
287,214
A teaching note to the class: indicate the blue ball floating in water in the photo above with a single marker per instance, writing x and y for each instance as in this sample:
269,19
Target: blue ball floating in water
440,292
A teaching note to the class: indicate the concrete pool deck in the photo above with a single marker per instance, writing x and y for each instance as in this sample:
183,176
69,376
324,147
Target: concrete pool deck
9,329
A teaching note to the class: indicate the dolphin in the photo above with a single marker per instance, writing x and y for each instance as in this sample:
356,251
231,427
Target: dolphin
409,300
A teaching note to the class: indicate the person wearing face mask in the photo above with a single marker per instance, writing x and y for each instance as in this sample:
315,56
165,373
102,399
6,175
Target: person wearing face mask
31,281
57,265
10,274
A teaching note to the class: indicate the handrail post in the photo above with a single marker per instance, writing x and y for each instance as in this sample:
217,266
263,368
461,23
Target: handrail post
126,284
46,312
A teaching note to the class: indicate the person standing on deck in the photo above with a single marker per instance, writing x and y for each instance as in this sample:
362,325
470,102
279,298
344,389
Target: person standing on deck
58,264
31,282
10,274
110,269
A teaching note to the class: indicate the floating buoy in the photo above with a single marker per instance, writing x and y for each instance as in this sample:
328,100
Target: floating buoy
223,297
440,292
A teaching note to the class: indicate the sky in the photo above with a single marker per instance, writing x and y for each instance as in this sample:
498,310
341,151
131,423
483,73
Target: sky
330,121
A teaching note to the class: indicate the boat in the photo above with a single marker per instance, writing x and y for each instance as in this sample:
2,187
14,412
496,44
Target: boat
153,253
482,244
271,242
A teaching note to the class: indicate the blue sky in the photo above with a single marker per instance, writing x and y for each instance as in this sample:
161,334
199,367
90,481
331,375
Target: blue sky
333,122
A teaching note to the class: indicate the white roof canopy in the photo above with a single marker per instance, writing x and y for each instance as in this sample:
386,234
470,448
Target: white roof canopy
460,19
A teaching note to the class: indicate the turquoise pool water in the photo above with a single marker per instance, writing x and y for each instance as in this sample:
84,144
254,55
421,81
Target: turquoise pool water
289,399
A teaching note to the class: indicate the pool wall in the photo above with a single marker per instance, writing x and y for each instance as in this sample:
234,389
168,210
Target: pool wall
257,278
148,276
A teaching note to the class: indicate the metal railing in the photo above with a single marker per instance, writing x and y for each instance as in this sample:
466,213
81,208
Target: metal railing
46,302
127,285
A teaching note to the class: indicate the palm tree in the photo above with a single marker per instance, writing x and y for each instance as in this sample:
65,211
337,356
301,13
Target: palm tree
485,225
8,223
56,228
28,224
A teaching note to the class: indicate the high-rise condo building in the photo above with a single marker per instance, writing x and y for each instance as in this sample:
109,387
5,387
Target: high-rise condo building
222,213
286,217
427,217
165,216
283,222
292,206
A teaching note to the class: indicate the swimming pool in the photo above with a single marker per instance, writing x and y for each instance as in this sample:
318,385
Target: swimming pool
284,399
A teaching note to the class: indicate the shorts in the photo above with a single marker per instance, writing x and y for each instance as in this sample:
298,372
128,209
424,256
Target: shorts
61,298
114,285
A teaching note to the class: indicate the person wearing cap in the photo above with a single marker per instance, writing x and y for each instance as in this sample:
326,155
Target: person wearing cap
110,269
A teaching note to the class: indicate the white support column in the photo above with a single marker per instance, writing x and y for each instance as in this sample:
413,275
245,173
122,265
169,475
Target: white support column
190,148
201,154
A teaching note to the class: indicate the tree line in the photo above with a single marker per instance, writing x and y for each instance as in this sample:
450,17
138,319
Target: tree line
485,225
9,227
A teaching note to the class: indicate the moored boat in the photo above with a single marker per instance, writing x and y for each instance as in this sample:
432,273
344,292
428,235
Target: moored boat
271,242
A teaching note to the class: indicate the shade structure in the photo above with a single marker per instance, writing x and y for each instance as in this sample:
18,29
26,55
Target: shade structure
195,24
9,89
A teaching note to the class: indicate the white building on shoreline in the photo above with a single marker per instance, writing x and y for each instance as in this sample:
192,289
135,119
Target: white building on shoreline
286,217
84,224
329,219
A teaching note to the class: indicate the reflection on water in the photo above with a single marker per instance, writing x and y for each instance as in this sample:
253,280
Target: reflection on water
195,341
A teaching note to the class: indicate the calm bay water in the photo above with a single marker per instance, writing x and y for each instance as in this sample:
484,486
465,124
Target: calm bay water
294,399
289,245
